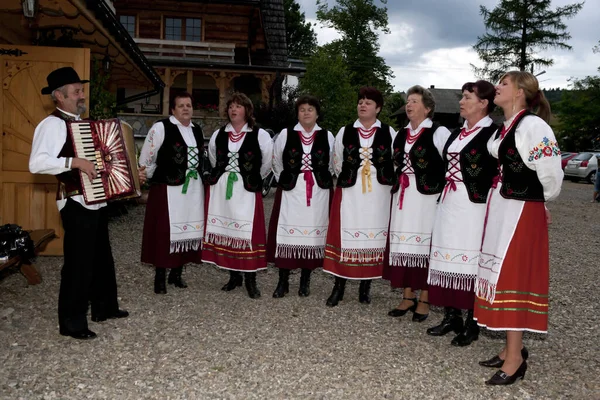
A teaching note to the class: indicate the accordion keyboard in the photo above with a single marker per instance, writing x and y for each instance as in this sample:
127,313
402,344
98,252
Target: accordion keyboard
84,148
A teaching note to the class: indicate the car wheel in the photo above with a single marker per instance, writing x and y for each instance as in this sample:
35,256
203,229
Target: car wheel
592,177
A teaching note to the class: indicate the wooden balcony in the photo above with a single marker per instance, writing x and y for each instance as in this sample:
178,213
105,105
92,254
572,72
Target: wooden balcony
166,50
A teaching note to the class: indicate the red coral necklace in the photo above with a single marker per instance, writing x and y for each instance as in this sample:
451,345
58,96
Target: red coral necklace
236,136
410,139
465,133
307,140
367,133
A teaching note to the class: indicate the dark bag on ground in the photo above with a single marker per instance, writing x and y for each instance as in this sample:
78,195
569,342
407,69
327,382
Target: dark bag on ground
14,241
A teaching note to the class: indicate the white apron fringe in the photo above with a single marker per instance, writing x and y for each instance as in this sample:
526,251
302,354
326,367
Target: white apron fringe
409,260
299,251
451,280
231,242
180,246
485,290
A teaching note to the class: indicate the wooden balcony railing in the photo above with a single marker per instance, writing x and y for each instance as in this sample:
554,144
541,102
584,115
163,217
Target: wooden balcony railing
158,49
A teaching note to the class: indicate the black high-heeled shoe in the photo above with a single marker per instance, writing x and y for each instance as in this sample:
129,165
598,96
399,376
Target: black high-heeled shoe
420,317
398,312
497,362
501,378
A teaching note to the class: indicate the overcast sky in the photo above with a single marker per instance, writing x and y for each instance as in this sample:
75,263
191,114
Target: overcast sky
430,42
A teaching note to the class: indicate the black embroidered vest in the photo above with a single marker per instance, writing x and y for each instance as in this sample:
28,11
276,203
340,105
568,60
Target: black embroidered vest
381,158
292,160
69,182
477,165
249,161
425,159
172,159
518,181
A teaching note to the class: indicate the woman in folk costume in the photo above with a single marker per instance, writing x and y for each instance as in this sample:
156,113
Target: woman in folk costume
458,226
174,222
303,164
418,184
361,202
513,276
241,156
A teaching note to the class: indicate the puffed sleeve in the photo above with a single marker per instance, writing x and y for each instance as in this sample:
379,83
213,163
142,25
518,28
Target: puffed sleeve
212,149
338,152
539,150
153,142
440,137
48,140
266,148
278,148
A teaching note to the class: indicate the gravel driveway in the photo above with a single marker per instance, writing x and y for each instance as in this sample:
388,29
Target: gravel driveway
204,343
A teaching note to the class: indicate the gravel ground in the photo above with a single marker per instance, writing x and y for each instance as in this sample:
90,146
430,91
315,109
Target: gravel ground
204,343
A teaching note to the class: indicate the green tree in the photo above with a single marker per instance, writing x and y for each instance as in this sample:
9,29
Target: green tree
358,21
579,115
516,31
103,103
300,36
327,77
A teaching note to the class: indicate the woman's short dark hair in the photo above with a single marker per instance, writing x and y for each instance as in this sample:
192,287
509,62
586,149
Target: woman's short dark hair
180,95
244,101
371,93
484,90
426,97
310,100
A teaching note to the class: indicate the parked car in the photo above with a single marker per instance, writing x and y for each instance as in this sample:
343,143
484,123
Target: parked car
582,166
565,157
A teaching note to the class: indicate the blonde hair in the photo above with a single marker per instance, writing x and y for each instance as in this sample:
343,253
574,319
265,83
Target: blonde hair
535,100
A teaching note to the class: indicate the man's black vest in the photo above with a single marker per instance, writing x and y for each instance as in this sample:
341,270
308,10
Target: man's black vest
172,158
518,181
477,165
249,161
292,160
70,180
425,159
381,158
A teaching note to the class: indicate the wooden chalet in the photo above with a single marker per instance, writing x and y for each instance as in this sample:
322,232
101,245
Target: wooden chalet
209,49
36,37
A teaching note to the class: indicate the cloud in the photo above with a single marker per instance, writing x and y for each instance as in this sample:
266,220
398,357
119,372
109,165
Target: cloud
430,41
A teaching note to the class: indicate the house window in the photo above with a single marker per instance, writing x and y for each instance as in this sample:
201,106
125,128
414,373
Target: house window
128,22
189,29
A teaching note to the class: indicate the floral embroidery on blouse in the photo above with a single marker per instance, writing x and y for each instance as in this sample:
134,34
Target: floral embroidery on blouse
546,148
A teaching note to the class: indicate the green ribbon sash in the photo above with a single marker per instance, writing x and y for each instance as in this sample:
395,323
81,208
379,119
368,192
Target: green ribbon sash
192,174
230,179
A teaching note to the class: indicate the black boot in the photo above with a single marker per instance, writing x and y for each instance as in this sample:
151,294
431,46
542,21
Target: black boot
283,286
469,334
235,280
251,287
175,278
364,291
452,322
159,281
337,294
304,289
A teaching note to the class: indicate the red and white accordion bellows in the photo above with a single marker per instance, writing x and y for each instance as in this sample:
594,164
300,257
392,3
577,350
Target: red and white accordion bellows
104,143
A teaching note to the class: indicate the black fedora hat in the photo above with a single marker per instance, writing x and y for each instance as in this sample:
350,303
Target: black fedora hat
61,77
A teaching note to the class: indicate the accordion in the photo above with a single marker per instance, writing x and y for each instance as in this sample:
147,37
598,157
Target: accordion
110,146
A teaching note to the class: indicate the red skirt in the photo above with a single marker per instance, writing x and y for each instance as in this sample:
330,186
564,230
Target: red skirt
156,239
447,297
521,301
404,277
280,262
245,260
333,249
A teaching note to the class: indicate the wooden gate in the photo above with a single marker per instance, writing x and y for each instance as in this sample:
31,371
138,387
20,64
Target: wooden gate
30,200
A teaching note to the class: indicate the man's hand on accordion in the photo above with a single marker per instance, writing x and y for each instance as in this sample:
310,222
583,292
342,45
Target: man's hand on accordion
87,167
142,174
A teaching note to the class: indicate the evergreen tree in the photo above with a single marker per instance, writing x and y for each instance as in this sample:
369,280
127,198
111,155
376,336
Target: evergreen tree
516,31
300,36
357,21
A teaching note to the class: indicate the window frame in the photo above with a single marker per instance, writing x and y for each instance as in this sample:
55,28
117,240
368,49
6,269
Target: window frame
135,21
184,28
